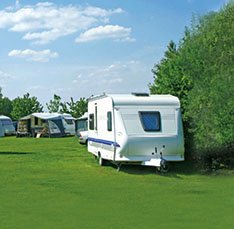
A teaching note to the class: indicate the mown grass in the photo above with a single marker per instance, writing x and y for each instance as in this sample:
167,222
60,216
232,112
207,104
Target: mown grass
56,183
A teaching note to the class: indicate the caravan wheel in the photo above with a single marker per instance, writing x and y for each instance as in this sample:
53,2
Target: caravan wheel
164,166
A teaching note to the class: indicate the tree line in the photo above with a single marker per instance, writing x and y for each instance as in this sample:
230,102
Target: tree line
200,71
25,105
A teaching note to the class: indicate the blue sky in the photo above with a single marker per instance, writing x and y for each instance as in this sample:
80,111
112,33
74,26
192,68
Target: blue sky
82,48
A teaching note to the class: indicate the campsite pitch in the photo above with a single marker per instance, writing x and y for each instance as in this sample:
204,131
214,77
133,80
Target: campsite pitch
56,183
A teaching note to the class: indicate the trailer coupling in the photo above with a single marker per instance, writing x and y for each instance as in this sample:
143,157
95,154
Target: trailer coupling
160,163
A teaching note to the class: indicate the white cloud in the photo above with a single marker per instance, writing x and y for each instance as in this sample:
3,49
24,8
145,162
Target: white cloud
107,76
4,75
60,90
32,55
116,32
4,78
46,21
113,81
37,87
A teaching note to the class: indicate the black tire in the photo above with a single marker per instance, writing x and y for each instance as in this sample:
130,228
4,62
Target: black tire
164,166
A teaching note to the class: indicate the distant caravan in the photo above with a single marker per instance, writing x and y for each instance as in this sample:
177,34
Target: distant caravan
136,128
6,126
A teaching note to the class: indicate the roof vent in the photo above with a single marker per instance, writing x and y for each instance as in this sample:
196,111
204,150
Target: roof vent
140,94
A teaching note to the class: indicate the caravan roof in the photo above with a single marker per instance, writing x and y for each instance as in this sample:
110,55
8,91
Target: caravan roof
134,99
67,116
4,117
45,116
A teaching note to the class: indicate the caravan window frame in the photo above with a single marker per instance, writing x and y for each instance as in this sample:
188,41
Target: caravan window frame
96,119
91,121
158,117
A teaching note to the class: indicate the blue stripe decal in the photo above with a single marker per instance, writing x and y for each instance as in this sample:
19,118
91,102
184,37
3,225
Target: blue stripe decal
104,142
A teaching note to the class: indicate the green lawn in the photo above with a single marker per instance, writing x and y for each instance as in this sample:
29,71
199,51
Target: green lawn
56,183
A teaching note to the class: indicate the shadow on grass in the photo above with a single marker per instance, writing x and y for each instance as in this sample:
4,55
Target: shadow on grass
15,153
175,169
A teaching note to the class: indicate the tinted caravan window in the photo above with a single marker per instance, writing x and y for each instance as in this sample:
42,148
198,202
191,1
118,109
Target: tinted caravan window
91,121
150,120
6,122
109,121
36,121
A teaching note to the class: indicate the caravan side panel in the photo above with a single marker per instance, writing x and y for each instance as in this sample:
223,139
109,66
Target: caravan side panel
101,128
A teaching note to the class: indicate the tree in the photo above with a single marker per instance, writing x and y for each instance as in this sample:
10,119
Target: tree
5,106
78,108
25,106
212,95
56,105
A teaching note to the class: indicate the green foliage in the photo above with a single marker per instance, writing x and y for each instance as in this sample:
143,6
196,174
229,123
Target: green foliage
212,106
78,108
56,105
5,106
25,106
201,73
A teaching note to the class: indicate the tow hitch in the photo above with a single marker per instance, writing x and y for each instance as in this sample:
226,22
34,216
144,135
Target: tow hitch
160,163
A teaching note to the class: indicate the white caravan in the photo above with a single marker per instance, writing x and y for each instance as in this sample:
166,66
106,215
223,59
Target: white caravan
7,125
82,128
69,124
136,128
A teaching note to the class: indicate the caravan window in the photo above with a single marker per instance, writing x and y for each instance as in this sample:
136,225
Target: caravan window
82,125
91,121
150,120
6,122
69,121
109,121
36,121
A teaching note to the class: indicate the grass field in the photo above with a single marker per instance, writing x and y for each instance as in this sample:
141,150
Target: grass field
55,183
